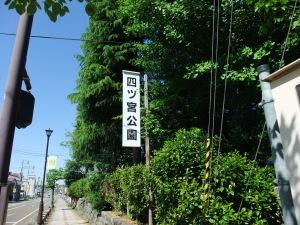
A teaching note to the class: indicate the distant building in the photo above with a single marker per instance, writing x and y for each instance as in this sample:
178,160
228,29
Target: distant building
32,183
14,186
29,185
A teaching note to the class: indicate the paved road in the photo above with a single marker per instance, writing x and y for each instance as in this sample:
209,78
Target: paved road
24,212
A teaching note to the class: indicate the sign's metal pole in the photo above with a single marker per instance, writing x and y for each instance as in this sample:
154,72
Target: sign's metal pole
282,174
8,111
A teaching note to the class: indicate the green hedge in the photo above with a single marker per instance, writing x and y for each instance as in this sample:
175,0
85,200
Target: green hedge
178,169
90,189
177,173
127,190
235,177
78,188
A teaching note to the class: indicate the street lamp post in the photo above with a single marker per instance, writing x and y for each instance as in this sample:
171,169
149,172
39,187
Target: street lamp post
41,208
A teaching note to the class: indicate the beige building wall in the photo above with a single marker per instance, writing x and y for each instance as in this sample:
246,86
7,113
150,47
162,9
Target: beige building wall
287,106
31,184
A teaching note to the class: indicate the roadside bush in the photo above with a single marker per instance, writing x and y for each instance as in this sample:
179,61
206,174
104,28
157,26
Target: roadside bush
78,188
236,179
176,177
94,195
183,156
126,190
90,189
178,170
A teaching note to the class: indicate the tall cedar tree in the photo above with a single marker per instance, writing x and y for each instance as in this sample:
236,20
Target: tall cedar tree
176,53
97,133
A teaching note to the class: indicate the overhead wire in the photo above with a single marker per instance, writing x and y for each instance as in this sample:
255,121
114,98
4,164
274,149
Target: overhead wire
31,153
66,38
211,70
225,80
281,63
215,89
253,164
208,141
212,101
216,70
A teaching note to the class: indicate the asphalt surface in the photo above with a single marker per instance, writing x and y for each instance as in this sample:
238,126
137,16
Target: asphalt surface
24,212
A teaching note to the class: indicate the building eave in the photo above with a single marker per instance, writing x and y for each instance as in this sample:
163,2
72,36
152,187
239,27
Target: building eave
283,71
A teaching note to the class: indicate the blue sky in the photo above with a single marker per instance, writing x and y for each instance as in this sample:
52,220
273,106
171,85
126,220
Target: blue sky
53,70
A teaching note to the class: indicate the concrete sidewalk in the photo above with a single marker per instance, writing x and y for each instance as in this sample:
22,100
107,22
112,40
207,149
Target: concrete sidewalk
63,215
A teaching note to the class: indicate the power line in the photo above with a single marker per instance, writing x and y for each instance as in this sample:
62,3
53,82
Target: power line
216,70
66,38
254,160
287,36
215,88
225,81
211,70
36,154
212,109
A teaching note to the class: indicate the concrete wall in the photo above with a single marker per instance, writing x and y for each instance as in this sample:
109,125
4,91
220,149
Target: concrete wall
287,105
103,218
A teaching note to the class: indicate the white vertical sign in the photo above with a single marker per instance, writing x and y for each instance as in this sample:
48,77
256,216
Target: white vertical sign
51,164
131,125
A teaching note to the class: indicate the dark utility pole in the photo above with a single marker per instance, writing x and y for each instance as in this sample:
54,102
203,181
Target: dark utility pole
282,174
8,111
41,208
147,150
22,167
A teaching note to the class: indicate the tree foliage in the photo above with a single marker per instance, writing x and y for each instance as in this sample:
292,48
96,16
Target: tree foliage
171,41
53,176
97,133
179,192
176,52
74,170
78,188
53,8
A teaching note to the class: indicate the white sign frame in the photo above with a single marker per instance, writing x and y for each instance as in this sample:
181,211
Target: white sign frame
131,121
51,162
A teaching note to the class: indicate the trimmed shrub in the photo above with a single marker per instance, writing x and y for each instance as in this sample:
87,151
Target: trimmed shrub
176,178
178,170
127,189
236,179
78,188
90,189
94,195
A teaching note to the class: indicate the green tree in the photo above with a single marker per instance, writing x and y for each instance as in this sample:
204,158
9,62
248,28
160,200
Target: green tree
97,134
53,176
74,170
177,55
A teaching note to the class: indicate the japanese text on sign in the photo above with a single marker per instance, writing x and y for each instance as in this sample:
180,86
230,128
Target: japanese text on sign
131,136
